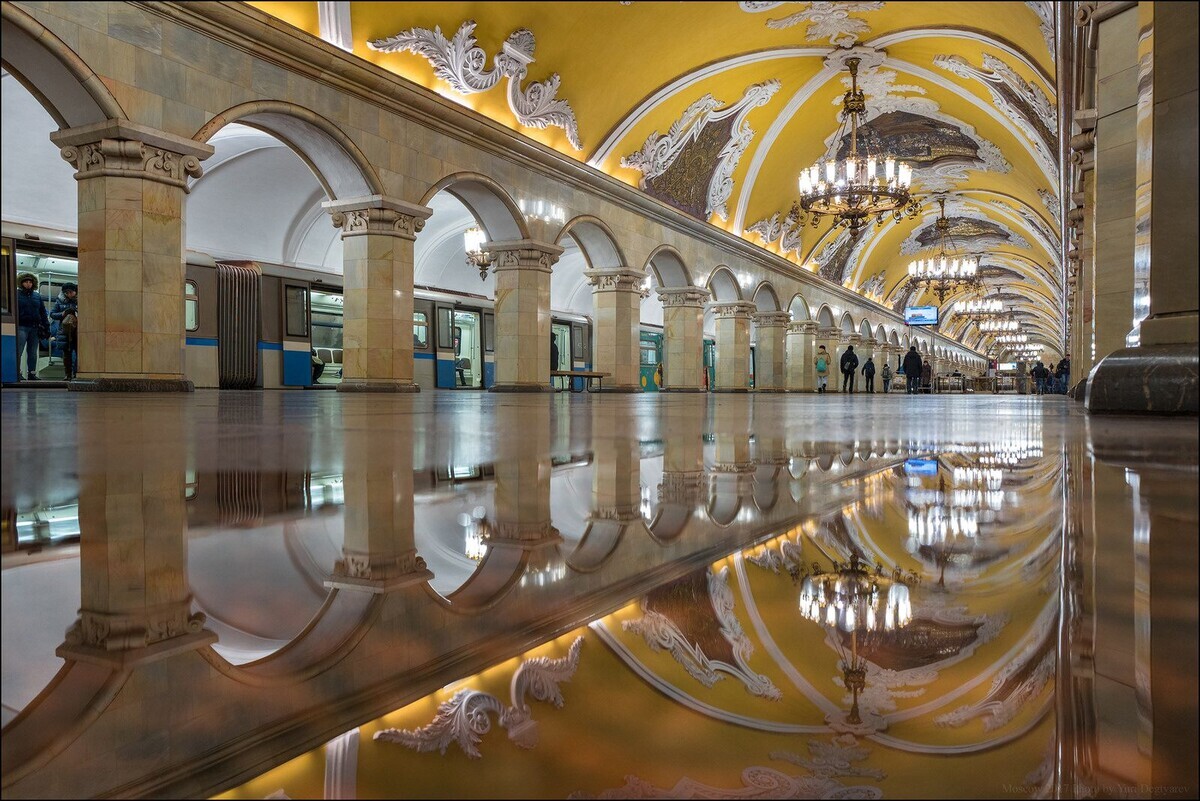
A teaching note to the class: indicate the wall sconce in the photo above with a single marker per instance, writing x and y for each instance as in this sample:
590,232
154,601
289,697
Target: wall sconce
475,243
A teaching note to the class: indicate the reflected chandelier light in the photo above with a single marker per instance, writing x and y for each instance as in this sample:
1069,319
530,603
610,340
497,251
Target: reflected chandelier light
475,243
945,272
852,598
861,186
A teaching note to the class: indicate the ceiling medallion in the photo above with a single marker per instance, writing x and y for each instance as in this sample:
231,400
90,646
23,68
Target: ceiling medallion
861,186
945,271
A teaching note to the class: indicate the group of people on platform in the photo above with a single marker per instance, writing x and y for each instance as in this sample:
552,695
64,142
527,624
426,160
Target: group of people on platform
1052,380
35,326
917,371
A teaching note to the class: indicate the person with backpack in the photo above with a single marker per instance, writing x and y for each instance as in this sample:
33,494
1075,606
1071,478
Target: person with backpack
912,370
66,314
849,364
822,364
887,377
868,371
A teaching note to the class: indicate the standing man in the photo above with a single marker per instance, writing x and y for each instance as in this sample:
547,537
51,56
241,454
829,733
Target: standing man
1063,376
868,371
849,365
66,313
912,370
887,377
822,364
32,324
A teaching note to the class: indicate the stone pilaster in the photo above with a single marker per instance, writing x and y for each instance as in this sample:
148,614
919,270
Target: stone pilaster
831,339
801,347
770,328
683,338
132,182
377,273
733,345
523,314
617,309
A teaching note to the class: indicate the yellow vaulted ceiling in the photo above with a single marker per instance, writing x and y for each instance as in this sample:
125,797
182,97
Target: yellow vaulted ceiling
631,70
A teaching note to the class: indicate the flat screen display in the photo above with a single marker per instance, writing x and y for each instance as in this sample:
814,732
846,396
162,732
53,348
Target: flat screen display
921,467
1008,367
921,315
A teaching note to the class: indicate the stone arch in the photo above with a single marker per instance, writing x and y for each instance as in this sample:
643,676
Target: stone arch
63,83
723,285
765,297
847,324
894,337
490,203
880,334
825,317
666,266
864,328
798,306
339,165
596,241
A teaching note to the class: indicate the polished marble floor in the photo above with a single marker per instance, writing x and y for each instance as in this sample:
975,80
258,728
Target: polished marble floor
477,595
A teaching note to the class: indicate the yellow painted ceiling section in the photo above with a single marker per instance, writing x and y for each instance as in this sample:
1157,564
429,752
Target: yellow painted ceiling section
301,15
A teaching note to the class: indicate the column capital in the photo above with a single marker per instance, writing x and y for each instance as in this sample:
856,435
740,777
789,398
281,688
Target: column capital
377,215
683,296
732,309
615,279
772,319
828,333
378,573
524,254
123,149
803,327
854,339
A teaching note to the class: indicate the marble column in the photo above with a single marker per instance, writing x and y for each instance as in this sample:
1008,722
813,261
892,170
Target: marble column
135,601
132,184
683,338
770,328
522,271
377,274
733,345
830,338
1161,374
617,310
801,347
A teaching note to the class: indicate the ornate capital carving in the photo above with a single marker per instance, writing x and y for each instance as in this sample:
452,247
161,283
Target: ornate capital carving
683,296
682,488
124,149
378,567
772,319
110,631
616,280
803,327
524,254
853,339
829,333
620,514
378,216
736,309
525,534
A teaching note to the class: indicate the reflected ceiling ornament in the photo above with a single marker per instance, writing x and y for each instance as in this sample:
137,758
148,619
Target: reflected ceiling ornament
700,120
464,718
475,243
827,20
863,185
852,598
460,63
946,270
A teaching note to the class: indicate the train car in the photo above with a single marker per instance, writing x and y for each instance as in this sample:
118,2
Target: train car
651,370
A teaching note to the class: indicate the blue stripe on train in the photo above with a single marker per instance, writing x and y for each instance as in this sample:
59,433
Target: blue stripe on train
429,356
8,361
297,368
208,342
489,374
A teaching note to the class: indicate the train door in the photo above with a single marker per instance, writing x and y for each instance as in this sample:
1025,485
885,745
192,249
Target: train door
489,349
560,337
459,347
298,364
580,350
52,267
238,304
327,313
710,363
651,361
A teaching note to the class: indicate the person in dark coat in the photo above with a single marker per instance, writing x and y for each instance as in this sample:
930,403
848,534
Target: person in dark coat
912,370
32,324
66,314
868,371
849,364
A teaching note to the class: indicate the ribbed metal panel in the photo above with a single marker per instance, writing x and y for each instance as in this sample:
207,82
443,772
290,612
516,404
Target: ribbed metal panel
239,288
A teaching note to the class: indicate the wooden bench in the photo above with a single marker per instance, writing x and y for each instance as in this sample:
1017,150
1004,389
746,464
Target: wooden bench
586,383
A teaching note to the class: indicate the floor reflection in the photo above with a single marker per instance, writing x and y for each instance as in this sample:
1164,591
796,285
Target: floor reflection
618,597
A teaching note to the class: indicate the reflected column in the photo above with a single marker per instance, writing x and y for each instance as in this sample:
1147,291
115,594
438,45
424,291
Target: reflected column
616,468
523,480
683,454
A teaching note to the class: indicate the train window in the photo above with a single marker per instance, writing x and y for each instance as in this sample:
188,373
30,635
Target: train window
420,331
295,300
6,275
649,354
445,328
489,332
577,343
191,306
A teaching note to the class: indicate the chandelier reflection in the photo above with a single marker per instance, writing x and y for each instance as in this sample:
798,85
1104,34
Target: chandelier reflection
476,533
863,184
852,598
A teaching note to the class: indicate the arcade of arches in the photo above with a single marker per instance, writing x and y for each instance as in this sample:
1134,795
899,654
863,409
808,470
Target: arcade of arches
408,589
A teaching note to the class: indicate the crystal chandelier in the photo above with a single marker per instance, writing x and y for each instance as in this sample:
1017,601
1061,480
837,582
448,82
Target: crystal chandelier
945,272
860,186
475,243
852,598
1004,325
979,308
1012,339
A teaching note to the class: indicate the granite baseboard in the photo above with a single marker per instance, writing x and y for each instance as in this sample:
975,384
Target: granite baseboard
376,386
1155,379
131,385
683,389
520,388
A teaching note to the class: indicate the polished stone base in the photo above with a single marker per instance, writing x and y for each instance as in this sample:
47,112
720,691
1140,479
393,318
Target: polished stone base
631,389
1079,391
520,388
359,385
1154,379
769,389
733,389
683,389
131,385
